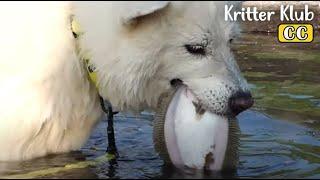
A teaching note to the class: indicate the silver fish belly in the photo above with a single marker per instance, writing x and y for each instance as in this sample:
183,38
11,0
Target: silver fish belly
188,137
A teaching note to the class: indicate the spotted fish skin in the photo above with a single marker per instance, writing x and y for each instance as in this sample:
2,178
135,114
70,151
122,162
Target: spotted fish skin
231,159
158,127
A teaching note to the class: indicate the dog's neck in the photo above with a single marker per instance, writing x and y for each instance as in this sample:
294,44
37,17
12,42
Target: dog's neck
85,59
83,56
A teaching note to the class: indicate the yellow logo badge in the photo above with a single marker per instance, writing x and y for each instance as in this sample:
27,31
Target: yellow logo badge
295,33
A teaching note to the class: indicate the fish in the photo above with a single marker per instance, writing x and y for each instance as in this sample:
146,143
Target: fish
188,136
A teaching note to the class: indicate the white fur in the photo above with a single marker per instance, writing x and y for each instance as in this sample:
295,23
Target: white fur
47,103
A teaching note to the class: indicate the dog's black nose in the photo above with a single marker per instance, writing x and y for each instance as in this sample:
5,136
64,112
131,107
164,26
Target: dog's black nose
240,101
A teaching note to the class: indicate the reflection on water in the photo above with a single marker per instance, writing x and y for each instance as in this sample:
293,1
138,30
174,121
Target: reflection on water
280,136
285,78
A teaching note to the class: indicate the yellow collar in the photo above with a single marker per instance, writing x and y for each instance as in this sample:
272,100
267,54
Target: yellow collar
84,56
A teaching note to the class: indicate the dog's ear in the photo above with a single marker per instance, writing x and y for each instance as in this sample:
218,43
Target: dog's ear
130,13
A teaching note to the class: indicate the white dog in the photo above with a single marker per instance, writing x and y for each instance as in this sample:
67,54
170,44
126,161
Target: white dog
140,50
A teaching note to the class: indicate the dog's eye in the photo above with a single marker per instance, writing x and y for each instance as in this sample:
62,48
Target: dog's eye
197,49
230,40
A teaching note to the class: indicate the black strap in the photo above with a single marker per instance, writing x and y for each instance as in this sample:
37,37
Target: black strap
107,108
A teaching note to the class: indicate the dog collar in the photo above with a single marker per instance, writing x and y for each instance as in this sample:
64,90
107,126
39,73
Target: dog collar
84,56
92,73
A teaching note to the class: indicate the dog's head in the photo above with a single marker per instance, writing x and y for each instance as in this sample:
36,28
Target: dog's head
149,48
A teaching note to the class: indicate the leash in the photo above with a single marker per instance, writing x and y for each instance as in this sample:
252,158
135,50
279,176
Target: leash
112,148
105,104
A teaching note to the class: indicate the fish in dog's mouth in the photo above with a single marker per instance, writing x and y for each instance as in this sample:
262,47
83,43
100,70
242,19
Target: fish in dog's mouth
199,107
187,134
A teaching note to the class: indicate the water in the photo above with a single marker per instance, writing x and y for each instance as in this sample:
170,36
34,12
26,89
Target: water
280,134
